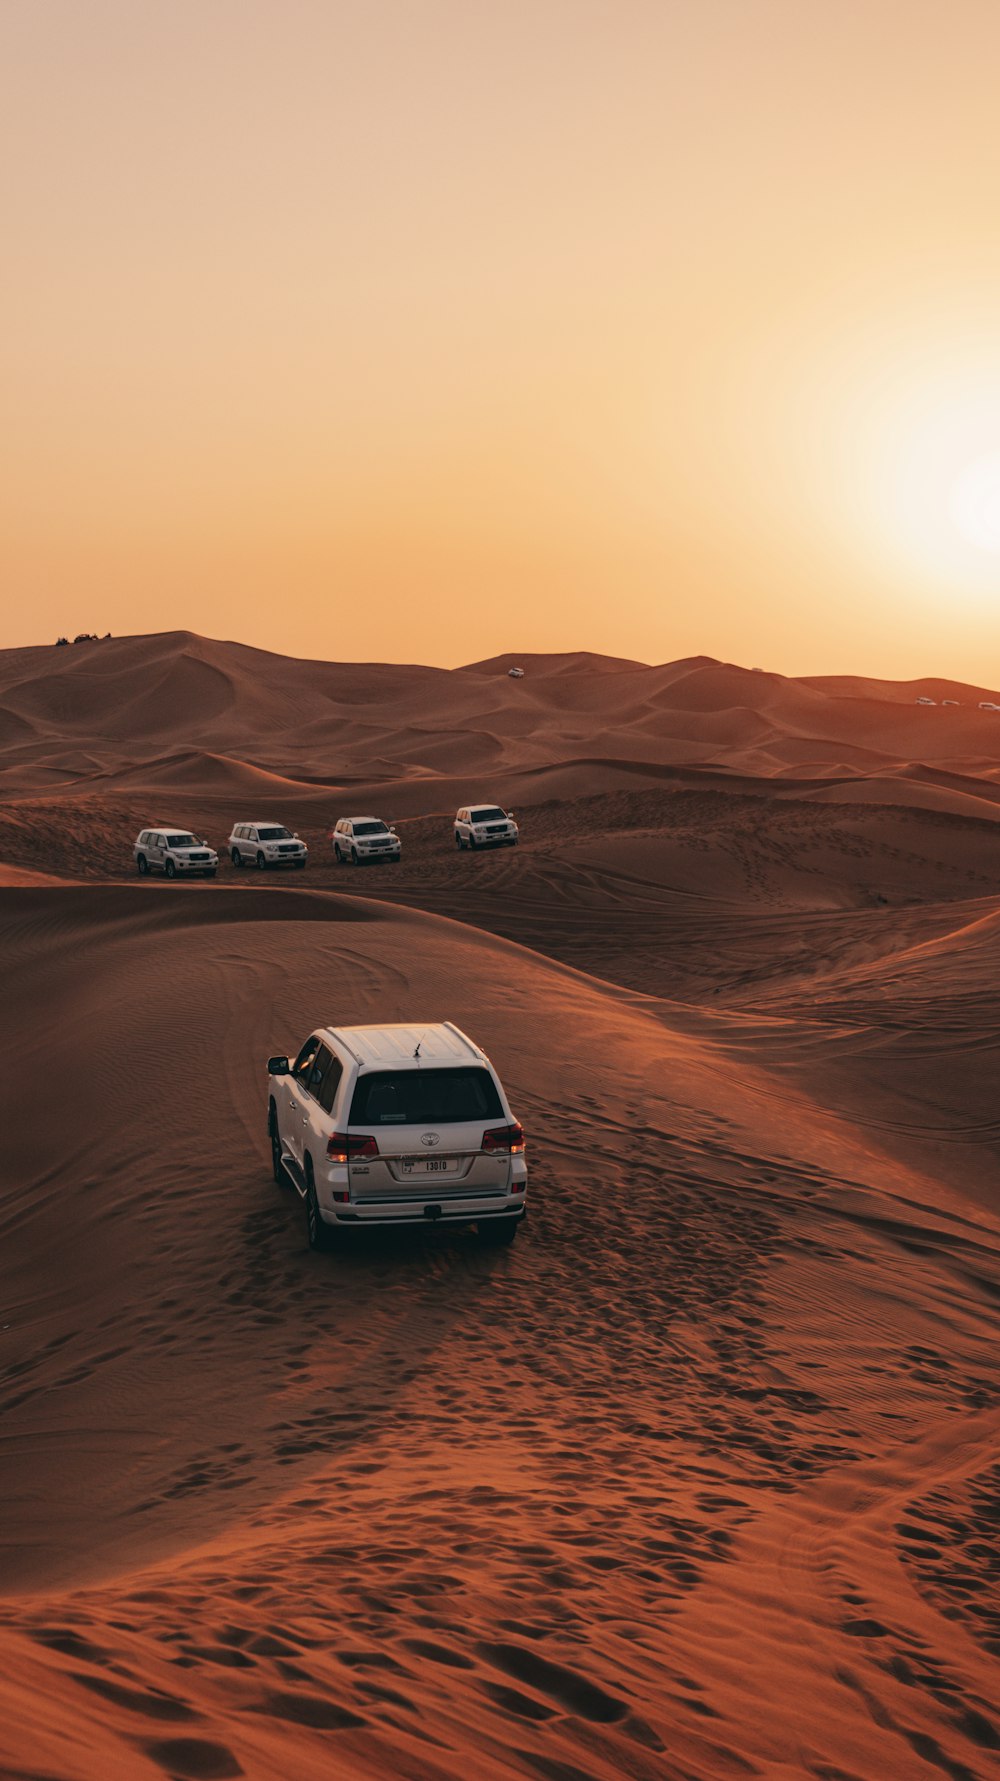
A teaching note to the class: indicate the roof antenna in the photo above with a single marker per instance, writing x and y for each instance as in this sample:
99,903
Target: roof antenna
417,1052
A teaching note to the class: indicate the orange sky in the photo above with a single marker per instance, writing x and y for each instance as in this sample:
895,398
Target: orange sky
423,329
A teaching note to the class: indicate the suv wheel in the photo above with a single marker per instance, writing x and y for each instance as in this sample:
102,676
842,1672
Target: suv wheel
338,856
473,843
170,869
459,843
277,1166
236,856
261,862
142,865
317,1234
355,861
498,1231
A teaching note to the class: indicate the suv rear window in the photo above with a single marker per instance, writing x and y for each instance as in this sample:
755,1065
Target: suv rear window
425,1097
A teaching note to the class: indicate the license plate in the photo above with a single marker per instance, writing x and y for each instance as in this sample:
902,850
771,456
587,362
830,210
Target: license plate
426,1165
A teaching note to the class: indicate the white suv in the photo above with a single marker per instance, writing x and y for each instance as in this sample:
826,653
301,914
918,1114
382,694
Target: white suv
485,825
175,852
396,1125
357,838
263,844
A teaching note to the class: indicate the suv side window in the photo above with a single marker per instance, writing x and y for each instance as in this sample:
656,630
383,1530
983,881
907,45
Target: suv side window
327,1093
317,1071
301,1067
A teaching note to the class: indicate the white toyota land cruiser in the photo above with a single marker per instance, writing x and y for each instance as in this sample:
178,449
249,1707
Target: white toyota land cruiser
263,844
485,825
358,838
176,852
396,1125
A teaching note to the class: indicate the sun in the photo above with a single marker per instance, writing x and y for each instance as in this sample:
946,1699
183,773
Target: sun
975,503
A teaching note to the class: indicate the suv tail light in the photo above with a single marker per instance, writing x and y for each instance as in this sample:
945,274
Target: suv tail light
505,1137
342,1147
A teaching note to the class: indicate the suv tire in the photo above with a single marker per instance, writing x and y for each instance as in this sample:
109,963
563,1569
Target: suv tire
261,861
338,856
317,1235
236,857
170,869
142,865
355,861
459,843
497,1231
277,1166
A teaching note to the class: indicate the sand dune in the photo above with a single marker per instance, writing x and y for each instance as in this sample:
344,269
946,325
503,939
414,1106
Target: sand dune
415,1500
123,700
699,1480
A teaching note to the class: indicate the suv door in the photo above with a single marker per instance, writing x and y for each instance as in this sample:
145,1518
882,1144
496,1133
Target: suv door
319,1091
156,850
296,1114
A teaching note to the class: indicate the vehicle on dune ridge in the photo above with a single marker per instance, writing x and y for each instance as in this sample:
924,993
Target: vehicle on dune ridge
175,852
396,1125
485,825
265,844
357,839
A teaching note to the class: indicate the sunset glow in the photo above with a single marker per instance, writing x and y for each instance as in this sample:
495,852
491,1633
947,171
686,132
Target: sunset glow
423,332
975,503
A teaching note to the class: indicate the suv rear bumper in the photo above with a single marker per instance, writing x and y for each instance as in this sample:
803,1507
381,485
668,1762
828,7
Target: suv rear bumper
456,1209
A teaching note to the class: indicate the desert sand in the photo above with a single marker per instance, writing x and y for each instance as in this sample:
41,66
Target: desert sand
701,1478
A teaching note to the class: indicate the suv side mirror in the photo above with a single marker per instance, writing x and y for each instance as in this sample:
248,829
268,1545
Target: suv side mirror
277,1066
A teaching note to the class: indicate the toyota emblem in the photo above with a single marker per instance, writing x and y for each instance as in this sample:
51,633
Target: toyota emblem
430,1138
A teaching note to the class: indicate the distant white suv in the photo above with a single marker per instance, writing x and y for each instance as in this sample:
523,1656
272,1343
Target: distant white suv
263,844
358,838
485,825
176,852
396,1125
